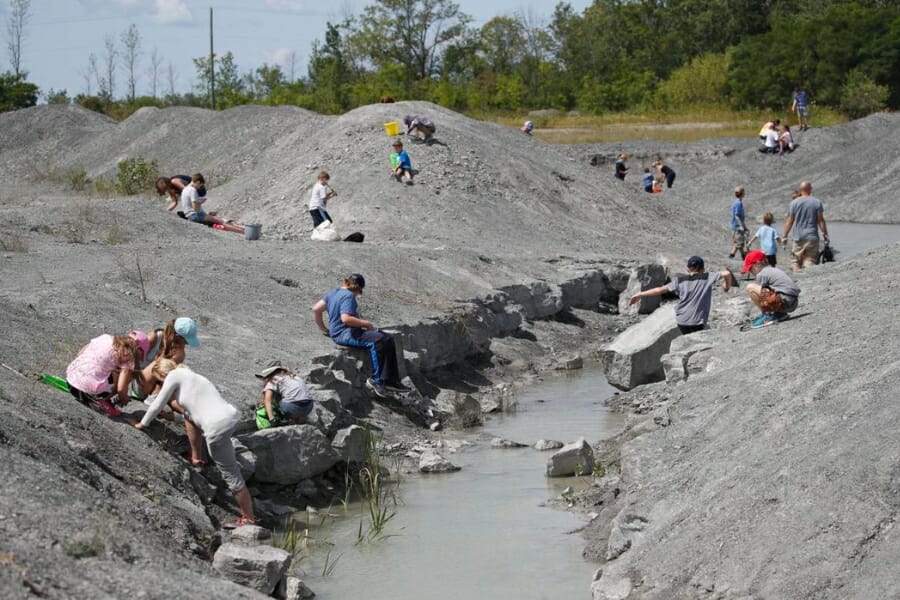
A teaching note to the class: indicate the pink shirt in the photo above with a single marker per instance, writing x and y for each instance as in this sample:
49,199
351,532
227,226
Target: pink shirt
90,370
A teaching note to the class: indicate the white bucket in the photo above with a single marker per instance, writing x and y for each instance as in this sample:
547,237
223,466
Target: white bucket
252,232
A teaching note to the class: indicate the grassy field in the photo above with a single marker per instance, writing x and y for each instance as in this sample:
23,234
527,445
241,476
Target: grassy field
688,126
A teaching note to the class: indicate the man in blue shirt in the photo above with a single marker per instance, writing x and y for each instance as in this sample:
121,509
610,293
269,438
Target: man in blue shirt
738,228
347,328
800,105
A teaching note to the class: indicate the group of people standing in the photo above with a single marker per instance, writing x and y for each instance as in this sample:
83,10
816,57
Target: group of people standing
653,180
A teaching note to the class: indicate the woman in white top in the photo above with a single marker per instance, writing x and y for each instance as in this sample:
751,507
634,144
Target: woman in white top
206,414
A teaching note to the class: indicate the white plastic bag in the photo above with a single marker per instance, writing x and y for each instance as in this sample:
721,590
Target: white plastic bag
325,232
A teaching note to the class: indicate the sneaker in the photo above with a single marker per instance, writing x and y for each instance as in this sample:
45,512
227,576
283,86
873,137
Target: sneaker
780,316
376,388
763,320
396,387
240,522
106,407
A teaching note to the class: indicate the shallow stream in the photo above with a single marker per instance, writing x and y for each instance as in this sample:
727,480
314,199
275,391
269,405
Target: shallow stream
481,532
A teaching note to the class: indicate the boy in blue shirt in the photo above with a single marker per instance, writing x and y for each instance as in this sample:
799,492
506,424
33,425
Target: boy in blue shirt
401,165
647,180
768,239
738,228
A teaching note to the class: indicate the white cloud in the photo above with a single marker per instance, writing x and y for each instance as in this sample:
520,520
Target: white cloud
285,4
170,11
282,57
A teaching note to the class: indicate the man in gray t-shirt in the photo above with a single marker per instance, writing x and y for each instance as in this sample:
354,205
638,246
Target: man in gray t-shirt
805,218
694,292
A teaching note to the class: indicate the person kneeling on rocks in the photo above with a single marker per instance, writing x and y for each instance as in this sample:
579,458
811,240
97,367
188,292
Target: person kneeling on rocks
285,395
206,414
773,291
694,294
347,328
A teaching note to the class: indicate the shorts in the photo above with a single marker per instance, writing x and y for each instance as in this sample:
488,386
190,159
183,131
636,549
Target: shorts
739,238
197,217
789,302
221,451
804,253
297,409
803,111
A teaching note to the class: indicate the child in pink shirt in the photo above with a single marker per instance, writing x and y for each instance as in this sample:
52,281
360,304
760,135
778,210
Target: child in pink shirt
105,360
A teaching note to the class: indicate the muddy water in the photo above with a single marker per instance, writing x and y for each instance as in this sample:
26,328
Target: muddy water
481,532
852,238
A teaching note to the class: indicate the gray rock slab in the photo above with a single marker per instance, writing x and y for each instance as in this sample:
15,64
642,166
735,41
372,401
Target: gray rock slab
634,358
687,355
257,567
456,409
571,459
432,462
288,455
350,444
292,588
545,445
505,443
250,534
642,278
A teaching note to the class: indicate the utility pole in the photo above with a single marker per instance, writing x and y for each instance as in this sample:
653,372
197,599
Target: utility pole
212,64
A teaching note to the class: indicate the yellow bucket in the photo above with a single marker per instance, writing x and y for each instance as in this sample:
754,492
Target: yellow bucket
392,128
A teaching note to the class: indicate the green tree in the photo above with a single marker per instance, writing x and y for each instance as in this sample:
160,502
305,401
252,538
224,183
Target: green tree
411,33
861,96
330,68
15,92
231,89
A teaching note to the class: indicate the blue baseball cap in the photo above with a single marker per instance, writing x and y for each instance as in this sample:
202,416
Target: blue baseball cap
187,328
695,262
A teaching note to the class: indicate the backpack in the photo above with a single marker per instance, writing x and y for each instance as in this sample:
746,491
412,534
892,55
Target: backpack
826,255
262,417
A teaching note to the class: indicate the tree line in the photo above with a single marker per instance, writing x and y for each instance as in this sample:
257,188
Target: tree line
616,55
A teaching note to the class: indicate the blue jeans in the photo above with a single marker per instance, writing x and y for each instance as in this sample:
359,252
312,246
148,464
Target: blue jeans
320,215
383,353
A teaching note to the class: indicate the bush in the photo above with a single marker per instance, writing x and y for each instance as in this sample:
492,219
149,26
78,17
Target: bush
700,83
136,175
76,178
861,96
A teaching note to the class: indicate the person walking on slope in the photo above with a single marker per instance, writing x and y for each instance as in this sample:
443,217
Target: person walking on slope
347,328
621,167
694,294
806,215
321,194
773,292
738,227
208,415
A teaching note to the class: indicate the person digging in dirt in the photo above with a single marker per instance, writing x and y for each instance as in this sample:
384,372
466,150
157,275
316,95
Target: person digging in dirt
694,294
285,396
347,328
772,291
210,416
666,172
321,194
173,186
104,361
401,165
191,207
621,167
421,127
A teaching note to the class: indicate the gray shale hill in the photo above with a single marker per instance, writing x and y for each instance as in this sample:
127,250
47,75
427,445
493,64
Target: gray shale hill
485,263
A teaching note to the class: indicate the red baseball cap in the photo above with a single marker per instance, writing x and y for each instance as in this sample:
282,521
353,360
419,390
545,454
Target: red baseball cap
752,258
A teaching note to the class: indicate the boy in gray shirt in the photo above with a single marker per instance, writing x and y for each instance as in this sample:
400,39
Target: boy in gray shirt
772,291
694,292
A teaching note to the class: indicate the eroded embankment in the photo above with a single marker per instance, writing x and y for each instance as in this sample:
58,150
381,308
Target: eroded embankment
770,472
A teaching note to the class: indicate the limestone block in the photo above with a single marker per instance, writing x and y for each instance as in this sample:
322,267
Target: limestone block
538,300
458,410
350,443
505,443
611,588
432,462
292,588
634,358
250,533
687,355
544,445
577,457
288,455
642,278
257,567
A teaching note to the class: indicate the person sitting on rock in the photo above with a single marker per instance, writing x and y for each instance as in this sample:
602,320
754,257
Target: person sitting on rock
773,291
421,127
347,328
401,165
770,141
191,207
773,124
104,361
621,167
694,292
786,140
209,416
285,395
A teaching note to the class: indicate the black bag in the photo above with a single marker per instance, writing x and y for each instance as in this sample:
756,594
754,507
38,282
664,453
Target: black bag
356,236
826,255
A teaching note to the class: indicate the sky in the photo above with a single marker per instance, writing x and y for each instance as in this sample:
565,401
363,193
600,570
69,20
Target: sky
61,34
